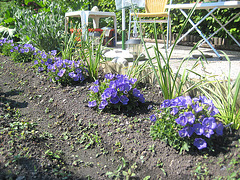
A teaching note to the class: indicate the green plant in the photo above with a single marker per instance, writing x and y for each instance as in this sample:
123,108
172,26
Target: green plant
44,30
201,171
122,172
116,92
59,70
225,95
22,53
183,121
70,44
6,46
90,52
171,84
90,140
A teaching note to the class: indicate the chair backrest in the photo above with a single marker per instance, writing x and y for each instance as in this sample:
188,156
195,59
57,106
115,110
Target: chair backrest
155,6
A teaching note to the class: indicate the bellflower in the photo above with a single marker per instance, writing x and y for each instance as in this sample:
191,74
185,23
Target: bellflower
198,129
182,120
209,122
219,129
153,118
200,143
124,100
192,119
92,103
190,116
117,90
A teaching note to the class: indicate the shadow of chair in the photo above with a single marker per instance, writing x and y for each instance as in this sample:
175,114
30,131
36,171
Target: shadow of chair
153,9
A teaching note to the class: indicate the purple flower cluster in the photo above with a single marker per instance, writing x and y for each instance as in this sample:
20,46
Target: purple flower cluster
117,90
195,116
6,41
26,48
58,68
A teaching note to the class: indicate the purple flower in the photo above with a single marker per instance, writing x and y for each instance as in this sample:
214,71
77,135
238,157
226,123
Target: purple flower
214,111
92,103
96,82
71,74
174,111
136,92
40,69
44,56
186,131
78,71
76,77
200,143
103,104
109,76
114,99
112,84
182,132
141,98
150,107
95,89
107,93
124,100
208,132
133,80
166,103
182,120
153,118
36,62
197,108
209,122
219,129
49,61
26,50
61,72
54,52
190,116
198,129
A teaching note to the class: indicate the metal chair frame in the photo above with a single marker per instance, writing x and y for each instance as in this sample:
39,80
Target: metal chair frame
153,8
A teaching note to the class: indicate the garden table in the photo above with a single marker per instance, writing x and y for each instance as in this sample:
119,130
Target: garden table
210,8
95,15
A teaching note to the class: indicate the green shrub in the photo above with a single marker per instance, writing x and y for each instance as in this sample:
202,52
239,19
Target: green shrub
59,70
183,122
115,92
6,46
22,53
44,30
225,94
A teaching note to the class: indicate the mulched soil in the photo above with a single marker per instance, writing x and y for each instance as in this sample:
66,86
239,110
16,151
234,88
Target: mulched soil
66,126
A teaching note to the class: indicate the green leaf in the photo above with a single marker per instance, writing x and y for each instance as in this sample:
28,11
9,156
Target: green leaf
147,178
9,20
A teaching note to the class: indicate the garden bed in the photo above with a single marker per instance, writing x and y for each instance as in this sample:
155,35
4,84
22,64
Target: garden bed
71,140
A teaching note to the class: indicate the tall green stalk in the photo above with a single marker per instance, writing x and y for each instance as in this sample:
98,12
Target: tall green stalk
225,97
91,56
171,84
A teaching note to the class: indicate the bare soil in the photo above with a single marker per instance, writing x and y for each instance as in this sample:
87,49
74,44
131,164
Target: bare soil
72,141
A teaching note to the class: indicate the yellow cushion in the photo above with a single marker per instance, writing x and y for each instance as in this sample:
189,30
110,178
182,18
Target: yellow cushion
161,14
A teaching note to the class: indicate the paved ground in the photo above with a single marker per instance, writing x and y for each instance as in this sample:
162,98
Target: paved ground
214,65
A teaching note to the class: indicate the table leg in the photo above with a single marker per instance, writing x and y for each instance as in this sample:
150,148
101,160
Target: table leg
96,22
66,24
199,32
115,28
223,27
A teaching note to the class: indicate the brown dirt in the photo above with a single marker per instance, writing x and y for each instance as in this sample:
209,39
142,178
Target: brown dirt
62,118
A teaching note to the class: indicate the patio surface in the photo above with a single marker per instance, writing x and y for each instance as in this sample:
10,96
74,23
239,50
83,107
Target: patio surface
214,66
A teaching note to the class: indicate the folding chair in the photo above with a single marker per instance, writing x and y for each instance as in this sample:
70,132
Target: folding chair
153,8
